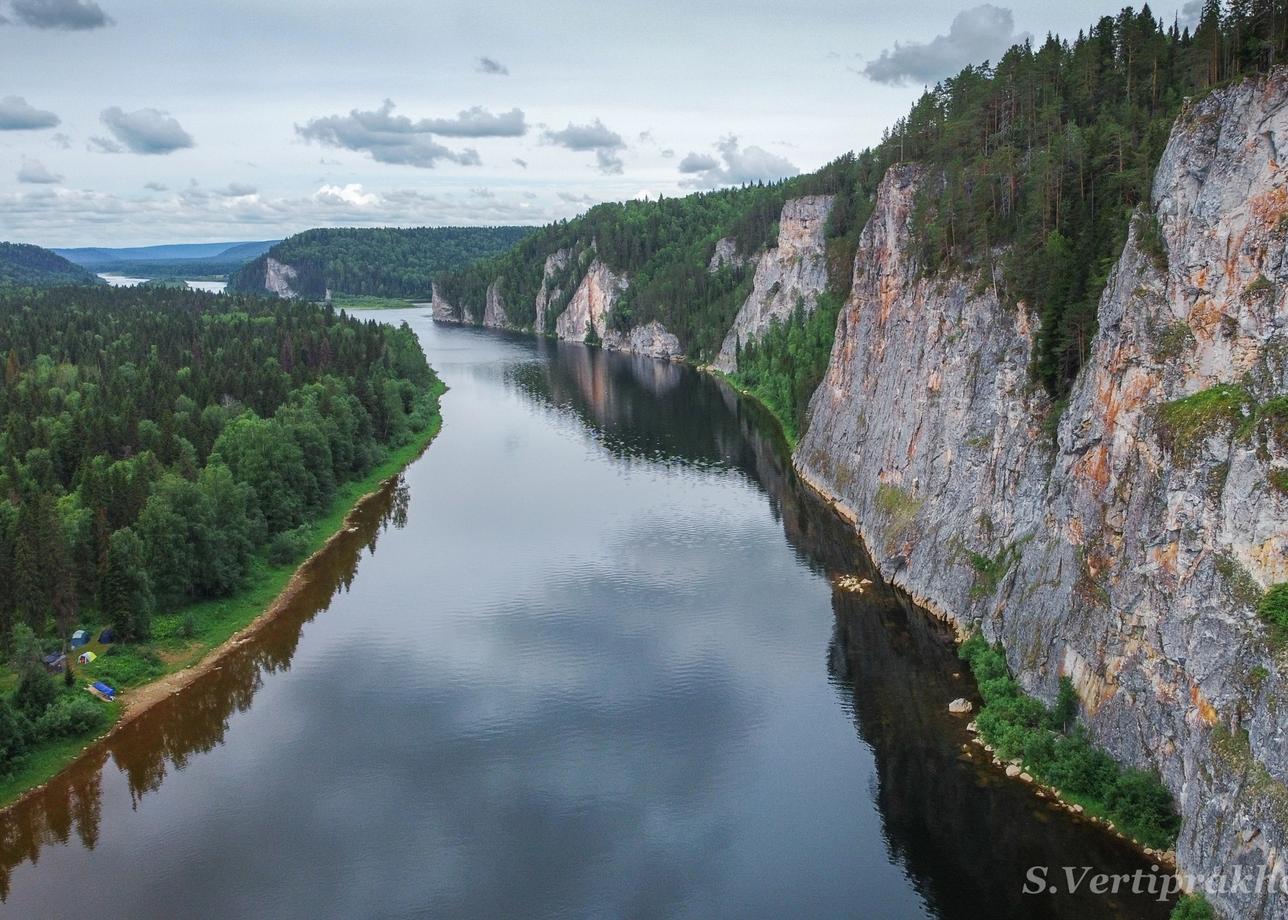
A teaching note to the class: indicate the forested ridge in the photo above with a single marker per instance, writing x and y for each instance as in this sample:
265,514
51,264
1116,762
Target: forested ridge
1036,167
23,265
383,261
154,444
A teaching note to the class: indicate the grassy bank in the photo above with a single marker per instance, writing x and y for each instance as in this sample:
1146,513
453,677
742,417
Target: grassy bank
784,424
182,637
1054,750
368,302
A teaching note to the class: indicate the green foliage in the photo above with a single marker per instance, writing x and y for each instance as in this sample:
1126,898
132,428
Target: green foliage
383,261
1273,611
1018,725
1192,907
128,666
783,368
289,546
70,715
989,570
22,265
1278,479
152,441
1184,424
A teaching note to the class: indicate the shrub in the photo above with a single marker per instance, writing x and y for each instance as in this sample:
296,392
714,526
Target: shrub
1273,607
1192,907
1185,423
73,714
1143,807
289,546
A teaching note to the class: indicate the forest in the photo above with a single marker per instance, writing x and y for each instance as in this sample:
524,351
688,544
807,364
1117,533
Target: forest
1038,164
22,265
384,261
155,444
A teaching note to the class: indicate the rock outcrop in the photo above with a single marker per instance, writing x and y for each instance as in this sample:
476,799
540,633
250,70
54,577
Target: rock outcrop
651,340
1128,551
494,308
445,312
278,277
590,304
556,262
791,274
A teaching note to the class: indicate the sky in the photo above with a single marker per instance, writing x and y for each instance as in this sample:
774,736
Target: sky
125,122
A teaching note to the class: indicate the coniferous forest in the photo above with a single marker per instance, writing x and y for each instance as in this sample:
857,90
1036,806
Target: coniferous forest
156,443
1037,165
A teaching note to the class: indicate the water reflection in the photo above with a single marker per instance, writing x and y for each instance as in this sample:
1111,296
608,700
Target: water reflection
585,679
195,720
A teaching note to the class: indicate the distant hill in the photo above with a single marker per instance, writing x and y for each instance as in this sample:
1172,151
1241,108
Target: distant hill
96,257
384,261
22,265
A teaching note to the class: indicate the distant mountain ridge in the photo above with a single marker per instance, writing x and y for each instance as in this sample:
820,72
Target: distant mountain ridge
24,265
379,261
99,256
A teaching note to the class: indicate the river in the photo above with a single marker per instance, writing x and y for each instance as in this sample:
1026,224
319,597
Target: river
583,658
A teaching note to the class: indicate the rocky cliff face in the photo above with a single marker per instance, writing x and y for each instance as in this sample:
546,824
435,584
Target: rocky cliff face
494,308
555,262
1127,552
590,304
791,274
278,277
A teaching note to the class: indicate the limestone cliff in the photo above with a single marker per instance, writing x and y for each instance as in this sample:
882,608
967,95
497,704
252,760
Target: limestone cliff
590,304
278,277
1128,550
792,273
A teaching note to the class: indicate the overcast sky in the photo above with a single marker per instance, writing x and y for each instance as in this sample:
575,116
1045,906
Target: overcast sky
125,122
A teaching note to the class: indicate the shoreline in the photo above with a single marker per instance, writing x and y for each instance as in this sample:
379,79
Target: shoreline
136,701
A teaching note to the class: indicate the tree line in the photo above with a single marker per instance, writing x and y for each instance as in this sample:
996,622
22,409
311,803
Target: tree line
1036,165
151,441
382,261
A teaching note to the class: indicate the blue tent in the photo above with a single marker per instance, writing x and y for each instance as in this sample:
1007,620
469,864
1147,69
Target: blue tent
107,637
79,638
105,689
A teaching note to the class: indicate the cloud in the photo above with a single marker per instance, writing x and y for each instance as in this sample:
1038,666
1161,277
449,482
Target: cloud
477,122
61,140
668,153
348,195
17,115
147,131
976,34
698,162
736,165
156,187
595,136
389,138
103,145
520,162
34,172
576,199
1190,14
492,66
236,190
70,15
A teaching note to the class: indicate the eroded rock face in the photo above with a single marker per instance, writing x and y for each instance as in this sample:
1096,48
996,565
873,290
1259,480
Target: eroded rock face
443,311
590,304
1125,559
794,272
651,340
278,277
726,253
494,308
555,262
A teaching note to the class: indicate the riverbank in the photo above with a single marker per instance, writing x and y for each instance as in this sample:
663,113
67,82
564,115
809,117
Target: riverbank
192,641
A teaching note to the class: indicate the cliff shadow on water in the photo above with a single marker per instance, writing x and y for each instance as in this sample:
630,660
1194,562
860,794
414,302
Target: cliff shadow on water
963,831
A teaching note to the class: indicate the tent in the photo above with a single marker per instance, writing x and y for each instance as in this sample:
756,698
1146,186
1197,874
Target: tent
102,690
107,637
55,662
86,657
79,638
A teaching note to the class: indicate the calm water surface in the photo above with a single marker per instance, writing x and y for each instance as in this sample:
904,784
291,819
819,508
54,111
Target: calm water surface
583,659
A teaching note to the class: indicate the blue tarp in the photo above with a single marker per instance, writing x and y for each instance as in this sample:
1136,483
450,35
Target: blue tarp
104,689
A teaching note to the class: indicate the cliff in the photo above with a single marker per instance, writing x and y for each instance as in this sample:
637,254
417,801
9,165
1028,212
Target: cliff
1128,551
791,274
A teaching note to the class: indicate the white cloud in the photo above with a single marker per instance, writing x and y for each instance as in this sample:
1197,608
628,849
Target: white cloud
396,139
737,166
147,131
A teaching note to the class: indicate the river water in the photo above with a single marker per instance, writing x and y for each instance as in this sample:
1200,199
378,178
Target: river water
583,658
